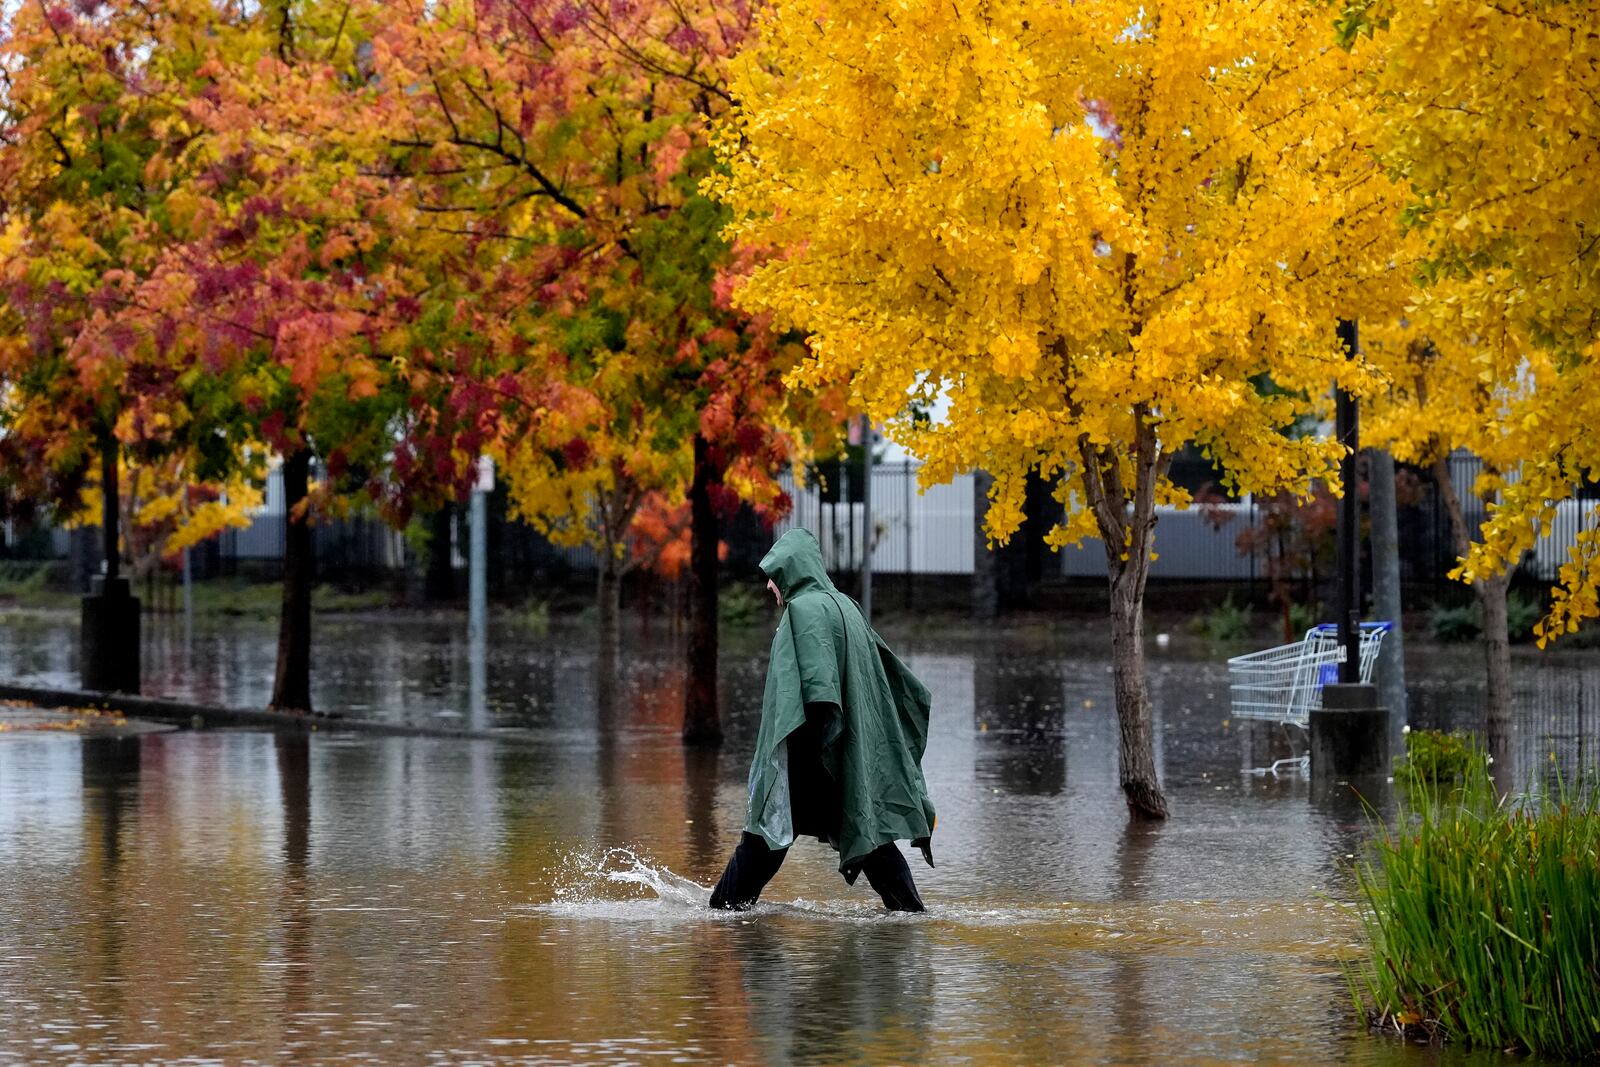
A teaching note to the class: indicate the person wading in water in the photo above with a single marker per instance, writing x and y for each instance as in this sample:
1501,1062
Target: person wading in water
839,754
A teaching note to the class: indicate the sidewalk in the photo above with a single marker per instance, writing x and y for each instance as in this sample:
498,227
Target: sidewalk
17,716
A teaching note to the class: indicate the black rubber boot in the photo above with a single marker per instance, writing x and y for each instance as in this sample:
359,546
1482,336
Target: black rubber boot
887,873
751,868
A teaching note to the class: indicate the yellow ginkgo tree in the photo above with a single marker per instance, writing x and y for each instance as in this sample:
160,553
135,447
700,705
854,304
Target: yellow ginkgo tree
1089,234
1453,388
1490,113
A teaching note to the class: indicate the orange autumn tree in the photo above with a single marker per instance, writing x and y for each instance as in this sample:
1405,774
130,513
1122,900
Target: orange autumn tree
347,319
1096,232
85,213
166,509
278,288
568,141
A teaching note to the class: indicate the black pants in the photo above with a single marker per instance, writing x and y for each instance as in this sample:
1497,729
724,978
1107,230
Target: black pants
753,865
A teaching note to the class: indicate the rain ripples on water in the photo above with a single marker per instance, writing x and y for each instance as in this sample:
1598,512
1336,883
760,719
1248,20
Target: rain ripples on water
236,897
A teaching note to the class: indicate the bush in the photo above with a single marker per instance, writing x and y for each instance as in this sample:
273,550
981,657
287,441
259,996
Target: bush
737,605
1302,617
1458,622
1225,622
21,578
1522,612
1434,758
1484,916
534,616
1464,622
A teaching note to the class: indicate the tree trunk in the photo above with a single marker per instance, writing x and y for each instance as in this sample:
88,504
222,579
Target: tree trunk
1386,582
1491,594
291,689
1496,651
985,594
1127,523
701,723
439,580
1136,749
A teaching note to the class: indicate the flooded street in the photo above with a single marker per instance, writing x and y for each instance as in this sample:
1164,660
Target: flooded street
232,896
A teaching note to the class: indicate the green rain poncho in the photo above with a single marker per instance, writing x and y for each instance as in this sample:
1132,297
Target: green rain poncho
875,728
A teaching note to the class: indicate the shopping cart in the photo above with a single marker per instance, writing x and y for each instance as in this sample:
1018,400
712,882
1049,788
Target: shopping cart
1284,683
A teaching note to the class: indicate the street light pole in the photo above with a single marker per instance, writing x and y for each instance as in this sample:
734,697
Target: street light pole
478,555
1347,428
1348,731
866,518
108,650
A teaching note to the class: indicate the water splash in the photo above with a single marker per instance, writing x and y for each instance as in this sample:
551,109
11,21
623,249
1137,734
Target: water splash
624,885
622,866
585,884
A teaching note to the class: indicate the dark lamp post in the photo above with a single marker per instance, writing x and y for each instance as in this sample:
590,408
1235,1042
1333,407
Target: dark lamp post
109,633
1349,731
1347,427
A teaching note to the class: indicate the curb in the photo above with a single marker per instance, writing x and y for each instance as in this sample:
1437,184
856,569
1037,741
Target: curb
203,716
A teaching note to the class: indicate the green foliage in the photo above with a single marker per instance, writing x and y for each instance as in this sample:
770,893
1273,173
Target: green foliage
1434,758
1588,636
1359,18
738,605
22,578
1522,614
1303,617
1483,916
417,534
1455,622
264,600
534,616
1225,622
1464,622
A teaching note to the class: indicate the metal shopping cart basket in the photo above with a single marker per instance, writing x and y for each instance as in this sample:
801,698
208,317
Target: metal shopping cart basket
1284,683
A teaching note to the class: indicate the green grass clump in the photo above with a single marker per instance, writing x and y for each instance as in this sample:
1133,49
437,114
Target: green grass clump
1225,622
1484,918
534,616
1303,617
21,577
1522,615
1434,758
27,584
238,598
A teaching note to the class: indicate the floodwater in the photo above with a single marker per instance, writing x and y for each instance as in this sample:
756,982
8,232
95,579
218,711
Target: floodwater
236,897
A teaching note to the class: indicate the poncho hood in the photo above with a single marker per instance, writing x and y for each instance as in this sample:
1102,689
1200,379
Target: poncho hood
794,563
876,715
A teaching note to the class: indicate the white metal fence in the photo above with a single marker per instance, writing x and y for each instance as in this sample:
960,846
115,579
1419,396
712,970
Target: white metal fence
932,531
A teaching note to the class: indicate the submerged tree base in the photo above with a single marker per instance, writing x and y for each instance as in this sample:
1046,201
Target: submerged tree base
1144,802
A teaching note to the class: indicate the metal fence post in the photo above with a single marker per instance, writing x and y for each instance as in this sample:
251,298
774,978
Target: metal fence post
866,518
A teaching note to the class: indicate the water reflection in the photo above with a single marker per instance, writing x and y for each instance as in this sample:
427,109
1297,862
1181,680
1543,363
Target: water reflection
1554,730
1129,973
293,752
110,779
236,896
837,992
1021,707
707,841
